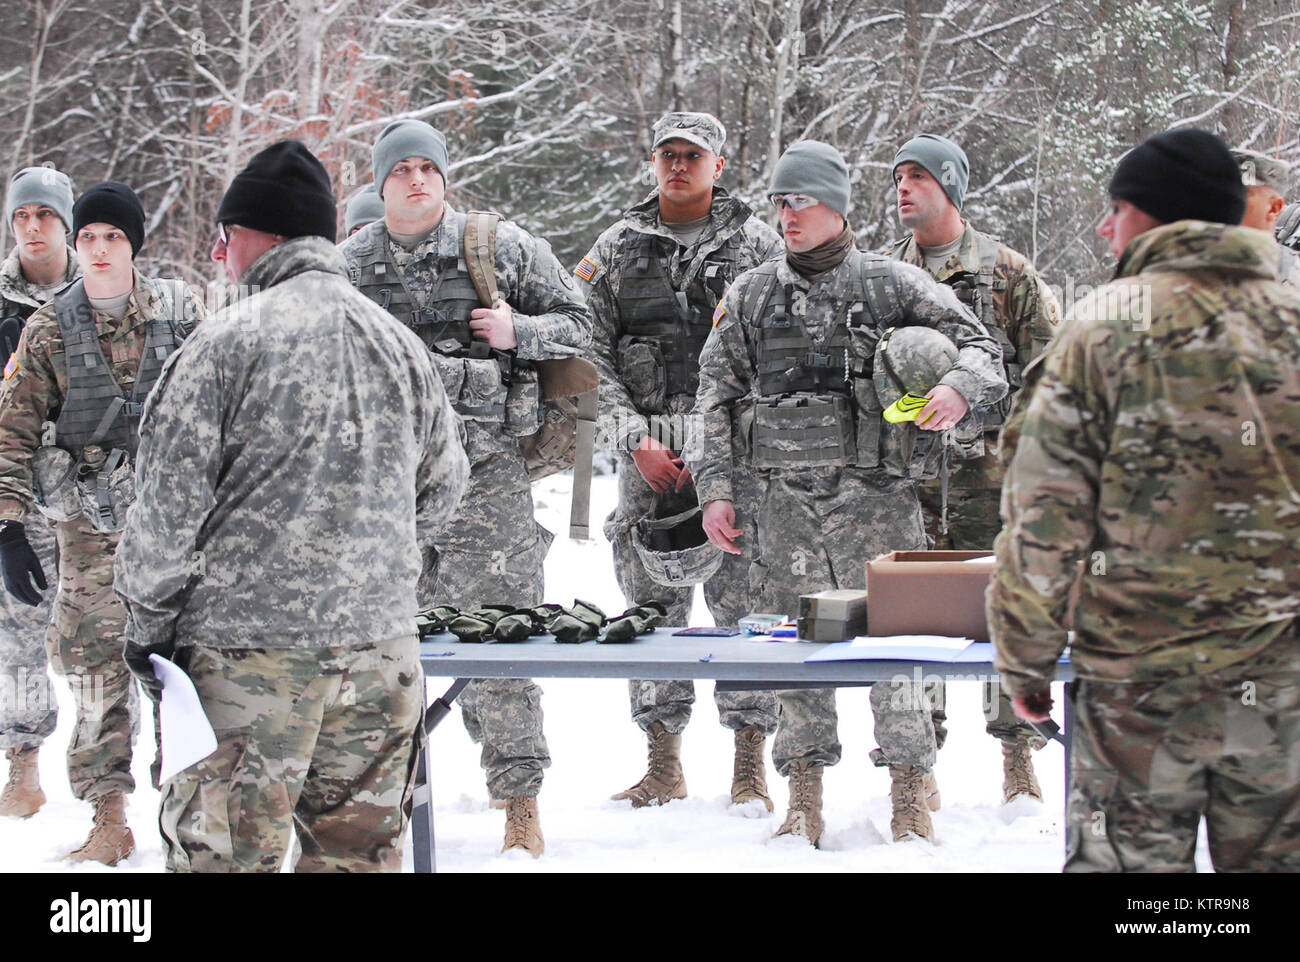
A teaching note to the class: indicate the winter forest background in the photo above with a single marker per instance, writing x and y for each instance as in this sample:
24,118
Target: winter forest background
547,104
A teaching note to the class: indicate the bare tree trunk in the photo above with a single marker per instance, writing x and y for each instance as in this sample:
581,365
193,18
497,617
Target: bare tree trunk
784,77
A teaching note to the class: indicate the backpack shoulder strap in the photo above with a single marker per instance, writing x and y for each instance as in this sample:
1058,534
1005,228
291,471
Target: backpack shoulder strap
480,238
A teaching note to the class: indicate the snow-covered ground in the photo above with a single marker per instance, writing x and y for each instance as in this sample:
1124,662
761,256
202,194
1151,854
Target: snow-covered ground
596,750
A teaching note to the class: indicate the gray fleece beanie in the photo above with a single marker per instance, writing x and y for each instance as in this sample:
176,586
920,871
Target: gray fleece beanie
816,169
365,207
408,138
41,185
943,160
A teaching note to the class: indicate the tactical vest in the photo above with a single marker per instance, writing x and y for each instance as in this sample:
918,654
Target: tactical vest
442,322
14,318
96,410
677,321
443,325
975,291
817,404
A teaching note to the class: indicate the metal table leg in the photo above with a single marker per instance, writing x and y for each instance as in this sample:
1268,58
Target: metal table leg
422,837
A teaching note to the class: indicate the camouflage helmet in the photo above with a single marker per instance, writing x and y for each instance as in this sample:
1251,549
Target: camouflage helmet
1288,227
675,551
910,360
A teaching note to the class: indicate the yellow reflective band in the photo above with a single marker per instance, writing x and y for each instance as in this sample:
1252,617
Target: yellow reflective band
905,408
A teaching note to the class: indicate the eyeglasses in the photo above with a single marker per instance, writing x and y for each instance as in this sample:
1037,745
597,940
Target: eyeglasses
222,236
793,201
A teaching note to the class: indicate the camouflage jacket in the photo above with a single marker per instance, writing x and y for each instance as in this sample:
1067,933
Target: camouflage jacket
36,382
622,423
292,452
551,319
1024,309
16,292
1289,268
1159,450
728,363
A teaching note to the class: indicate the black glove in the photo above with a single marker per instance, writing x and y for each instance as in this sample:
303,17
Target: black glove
11,329
20,564
137,661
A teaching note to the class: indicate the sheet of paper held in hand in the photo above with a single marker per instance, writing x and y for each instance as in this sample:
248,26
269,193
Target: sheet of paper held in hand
187,735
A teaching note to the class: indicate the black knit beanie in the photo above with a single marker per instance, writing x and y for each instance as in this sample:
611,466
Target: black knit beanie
111,203
283,190
1184,174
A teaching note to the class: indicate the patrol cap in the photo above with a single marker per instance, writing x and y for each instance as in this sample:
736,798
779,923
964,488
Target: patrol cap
1261,170
41,185
703,130
909,361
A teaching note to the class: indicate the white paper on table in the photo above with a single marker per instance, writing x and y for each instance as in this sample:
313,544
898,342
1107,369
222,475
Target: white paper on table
187,735
985,557
943,642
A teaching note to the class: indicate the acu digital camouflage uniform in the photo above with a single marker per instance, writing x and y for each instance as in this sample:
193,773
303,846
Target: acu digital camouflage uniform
1004,291
289,457
646,347
1160,451
28,709
84,639
818,526
492,549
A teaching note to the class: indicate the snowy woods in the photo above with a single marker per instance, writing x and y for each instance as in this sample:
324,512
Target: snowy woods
547,105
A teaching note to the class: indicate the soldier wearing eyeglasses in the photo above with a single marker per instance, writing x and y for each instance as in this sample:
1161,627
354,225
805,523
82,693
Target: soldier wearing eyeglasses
795,339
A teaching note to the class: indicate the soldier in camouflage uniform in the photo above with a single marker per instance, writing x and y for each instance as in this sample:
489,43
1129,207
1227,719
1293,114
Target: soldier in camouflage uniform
84,364
491,552
1003,290
652,281
1160,452
281,574
39,208
795,338
1265,179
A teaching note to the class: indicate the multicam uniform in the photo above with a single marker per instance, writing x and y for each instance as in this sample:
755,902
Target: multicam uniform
842,481
289,456
653,299
492,549
84,639
1004,291
28,710
1160,449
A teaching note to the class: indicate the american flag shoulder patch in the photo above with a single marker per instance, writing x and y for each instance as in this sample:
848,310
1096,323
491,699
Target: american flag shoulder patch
586,269
717,313
12,367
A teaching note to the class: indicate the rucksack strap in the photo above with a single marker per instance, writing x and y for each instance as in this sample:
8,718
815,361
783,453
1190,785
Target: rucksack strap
480,238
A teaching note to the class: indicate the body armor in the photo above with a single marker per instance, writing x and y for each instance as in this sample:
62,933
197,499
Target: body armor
817,403
444,325
673,325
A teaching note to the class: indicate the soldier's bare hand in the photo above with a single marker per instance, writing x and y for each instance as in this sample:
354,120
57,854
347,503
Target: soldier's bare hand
945,409
1035,708
496,325
720,525
660,467
683,478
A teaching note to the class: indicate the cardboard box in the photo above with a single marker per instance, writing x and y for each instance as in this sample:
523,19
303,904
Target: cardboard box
928,593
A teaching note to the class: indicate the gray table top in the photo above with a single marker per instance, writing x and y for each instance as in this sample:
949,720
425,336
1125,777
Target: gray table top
660,655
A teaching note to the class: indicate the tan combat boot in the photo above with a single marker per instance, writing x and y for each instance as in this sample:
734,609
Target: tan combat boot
1018,772
911,818
110,839
22,797
749,777
523,828
804,817
663,780
932,799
